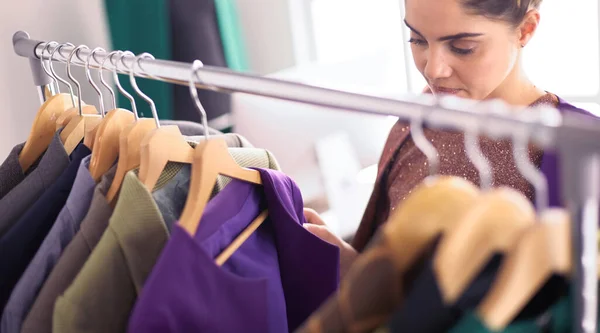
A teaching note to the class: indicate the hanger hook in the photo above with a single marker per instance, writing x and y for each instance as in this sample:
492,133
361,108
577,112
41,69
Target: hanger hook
196,65
476,156
529,170
65,82
118,83
88,75
422,143
46,48
106,85
137,89
70,75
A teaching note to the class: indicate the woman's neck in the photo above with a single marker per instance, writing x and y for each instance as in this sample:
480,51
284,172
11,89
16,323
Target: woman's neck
517,89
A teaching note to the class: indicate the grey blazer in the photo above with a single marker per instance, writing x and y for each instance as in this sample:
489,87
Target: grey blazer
16,202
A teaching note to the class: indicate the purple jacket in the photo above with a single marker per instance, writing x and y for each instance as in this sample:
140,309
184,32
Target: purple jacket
272,283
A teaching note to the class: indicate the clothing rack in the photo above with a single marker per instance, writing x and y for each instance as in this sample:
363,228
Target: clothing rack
575,137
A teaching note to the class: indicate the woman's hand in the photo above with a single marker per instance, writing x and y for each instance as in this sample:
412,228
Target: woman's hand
317,226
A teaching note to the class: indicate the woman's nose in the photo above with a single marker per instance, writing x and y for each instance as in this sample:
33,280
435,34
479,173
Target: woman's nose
436,66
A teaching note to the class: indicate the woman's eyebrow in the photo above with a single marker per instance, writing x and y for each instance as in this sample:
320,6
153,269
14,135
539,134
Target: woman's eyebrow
445,38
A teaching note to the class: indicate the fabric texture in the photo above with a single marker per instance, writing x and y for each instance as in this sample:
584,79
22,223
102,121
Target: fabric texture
195,35
16,202
11,173
269,280
231,35
403,166
72,259
20,244
143,26
62,232
111,279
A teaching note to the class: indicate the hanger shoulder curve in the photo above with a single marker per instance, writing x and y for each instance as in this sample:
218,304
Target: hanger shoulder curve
43,129
74,131
130,142
493,225
160,146
543,250
106,142
433,208
211,159
66,116
91,125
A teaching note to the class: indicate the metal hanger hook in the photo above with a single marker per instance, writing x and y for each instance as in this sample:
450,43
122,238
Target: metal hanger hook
132,73
118,83
70,75
476,156
422,143
196,65
65,82
50,74
88,74
529,170
104,83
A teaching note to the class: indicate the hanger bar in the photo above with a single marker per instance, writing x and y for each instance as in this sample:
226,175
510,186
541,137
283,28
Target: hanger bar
231,81
576,138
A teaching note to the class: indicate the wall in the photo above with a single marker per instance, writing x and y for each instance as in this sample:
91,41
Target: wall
267,31
74,21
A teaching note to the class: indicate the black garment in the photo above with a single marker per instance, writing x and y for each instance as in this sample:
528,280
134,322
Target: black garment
423,310
21,242
195,35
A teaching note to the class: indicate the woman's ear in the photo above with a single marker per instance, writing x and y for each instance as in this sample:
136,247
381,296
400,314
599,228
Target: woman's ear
528,27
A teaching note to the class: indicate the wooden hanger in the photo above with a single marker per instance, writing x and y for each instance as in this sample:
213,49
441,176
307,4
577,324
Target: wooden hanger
75,131
43,129
162,145
211,159
433,209
69,114
543,250
106,142
491,226
241,238
130,142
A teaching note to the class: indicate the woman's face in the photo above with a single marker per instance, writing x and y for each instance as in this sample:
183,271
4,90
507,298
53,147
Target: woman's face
458,52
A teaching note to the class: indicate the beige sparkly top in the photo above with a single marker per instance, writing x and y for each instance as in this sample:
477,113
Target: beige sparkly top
403,166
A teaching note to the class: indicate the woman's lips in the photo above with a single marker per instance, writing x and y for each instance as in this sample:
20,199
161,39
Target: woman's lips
444,90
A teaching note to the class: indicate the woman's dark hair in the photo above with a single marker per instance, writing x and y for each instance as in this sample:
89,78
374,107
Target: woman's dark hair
511,11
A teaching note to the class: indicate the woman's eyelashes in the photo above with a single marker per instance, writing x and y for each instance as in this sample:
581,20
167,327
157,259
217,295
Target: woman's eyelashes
461,51
455,49
417,41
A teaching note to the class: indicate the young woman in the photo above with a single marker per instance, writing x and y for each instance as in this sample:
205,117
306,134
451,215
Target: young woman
471,49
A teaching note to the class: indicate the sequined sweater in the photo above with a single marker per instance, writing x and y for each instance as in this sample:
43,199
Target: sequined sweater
403,166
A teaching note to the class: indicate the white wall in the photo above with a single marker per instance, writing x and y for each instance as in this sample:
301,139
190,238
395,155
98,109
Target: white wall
268,35
74,21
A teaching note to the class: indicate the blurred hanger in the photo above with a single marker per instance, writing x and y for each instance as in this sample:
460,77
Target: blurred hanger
130,144
106,142
433,207
44,124
106,85
92,122
75,131
543,250
211,159
73,111
491,226
161,145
